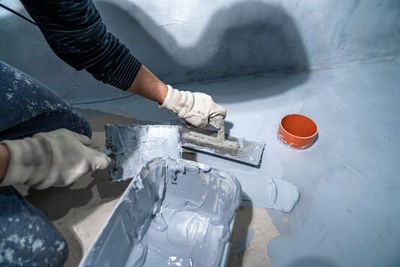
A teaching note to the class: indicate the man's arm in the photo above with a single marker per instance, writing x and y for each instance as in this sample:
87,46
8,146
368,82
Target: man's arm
4,159
146,84
76,33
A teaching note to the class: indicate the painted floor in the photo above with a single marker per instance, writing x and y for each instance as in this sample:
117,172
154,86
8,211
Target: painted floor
349,180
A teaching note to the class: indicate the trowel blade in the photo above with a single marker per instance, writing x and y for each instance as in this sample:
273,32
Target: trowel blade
242,150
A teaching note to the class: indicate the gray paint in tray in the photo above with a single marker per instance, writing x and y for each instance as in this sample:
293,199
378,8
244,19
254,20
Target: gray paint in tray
173,213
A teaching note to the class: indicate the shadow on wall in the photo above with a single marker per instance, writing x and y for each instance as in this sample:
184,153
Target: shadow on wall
246,38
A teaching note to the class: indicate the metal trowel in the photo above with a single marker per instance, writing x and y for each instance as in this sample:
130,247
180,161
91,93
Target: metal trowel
220,144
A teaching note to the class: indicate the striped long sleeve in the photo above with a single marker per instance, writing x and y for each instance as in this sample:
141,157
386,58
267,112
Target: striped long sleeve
76,33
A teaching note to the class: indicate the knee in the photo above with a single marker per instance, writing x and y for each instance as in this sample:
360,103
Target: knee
82,126
69,119
33,249
27,237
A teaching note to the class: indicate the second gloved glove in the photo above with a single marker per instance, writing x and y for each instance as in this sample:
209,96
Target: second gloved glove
55,158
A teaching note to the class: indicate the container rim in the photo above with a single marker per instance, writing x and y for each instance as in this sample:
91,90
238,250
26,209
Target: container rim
301,137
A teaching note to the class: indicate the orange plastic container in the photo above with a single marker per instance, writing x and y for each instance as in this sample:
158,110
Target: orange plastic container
297,131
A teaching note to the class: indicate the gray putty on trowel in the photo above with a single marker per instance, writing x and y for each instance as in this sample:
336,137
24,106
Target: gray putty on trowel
131,147
219,143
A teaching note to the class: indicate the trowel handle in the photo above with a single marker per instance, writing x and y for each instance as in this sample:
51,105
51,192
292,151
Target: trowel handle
217,122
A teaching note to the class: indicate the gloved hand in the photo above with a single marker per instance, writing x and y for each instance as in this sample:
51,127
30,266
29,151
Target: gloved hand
55,158
197,109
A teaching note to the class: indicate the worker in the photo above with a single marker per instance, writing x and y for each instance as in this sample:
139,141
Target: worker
44,142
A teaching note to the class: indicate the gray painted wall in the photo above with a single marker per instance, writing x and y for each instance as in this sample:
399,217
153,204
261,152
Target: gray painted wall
190,41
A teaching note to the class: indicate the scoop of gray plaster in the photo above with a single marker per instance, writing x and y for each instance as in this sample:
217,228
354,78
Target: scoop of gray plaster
173,213
269,193
132,147
282,195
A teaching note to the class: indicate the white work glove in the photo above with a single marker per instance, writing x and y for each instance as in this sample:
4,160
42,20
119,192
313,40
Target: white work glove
197,109
55,158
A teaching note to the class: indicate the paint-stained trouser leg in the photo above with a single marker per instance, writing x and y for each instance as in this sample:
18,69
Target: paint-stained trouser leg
27,237
27,107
